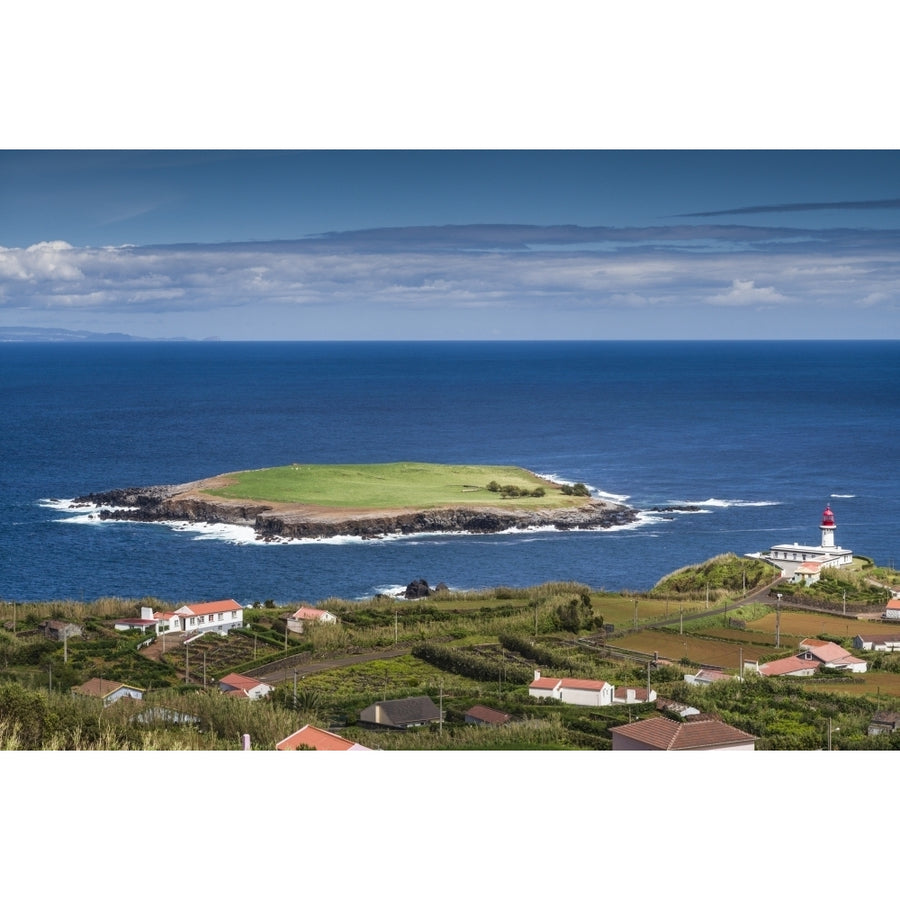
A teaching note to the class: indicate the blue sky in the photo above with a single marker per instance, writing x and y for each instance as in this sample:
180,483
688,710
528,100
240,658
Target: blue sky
459,244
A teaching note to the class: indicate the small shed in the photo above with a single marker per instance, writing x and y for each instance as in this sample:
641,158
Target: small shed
484,715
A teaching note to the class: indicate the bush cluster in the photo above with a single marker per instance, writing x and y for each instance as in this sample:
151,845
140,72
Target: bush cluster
508,491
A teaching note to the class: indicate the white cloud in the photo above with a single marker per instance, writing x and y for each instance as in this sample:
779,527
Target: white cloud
746,293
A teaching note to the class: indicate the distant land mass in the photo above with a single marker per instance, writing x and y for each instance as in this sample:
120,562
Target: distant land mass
368,501
27,335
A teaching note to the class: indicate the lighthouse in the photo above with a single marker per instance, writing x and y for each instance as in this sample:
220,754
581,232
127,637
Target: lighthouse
790,557
827,527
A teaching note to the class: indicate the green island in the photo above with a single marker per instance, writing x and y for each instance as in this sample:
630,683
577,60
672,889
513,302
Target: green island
369,500
463,651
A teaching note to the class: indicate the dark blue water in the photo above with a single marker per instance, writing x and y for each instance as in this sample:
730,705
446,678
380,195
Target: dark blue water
761,434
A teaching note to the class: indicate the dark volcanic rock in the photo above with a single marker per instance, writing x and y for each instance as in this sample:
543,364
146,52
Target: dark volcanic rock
417,589
188,503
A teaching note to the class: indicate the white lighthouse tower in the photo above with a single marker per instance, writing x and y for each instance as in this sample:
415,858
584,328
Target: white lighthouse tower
827,527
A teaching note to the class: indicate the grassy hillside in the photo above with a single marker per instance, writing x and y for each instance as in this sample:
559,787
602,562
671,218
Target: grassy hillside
392,486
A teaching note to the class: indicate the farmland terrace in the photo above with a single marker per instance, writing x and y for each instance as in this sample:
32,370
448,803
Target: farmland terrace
368,501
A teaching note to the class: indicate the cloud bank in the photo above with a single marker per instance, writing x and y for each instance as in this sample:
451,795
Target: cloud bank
455,269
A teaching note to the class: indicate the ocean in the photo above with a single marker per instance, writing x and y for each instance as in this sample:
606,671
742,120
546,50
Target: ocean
760,436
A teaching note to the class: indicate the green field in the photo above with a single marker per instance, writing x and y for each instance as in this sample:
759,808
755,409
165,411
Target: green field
390,486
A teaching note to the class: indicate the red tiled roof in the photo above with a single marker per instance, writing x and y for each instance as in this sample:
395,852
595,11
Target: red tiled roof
544,683
240,682
214,606
486,714
788,665
642,694
582,684
692,734
101,687
893,603
826,651
307,612
317,739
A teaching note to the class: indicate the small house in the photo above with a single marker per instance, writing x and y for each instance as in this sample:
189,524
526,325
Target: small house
54,630
696,733
484,715
892,610
296,621
578,691
108,691
633,695
244,686
884,723
408,712
705,677
886,643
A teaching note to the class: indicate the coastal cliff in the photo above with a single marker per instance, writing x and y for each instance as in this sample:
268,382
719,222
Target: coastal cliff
273,521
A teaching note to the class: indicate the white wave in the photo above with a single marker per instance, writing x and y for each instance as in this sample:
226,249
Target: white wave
595,491
844,496
726,504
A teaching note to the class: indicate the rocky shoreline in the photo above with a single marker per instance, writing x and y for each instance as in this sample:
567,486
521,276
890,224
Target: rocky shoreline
270,521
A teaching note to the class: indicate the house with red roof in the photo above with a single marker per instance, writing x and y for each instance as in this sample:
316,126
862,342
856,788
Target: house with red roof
484,715
578,691
814,654
311,738
695,733
243,686
218,615
296,621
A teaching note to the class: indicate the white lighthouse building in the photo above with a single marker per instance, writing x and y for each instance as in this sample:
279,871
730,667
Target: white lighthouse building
790,557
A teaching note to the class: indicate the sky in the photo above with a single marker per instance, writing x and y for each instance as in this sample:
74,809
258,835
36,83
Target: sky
596,174
452,244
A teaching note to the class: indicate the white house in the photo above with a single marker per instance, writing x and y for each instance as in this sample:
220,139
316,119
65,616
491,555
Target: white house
244,686
296,621
892,610
888,643
578,691
831,655
218,615
814,654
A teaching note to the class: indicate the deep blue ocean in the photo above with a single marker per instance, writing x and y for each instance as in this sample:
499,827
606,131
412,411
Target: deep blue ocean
760,435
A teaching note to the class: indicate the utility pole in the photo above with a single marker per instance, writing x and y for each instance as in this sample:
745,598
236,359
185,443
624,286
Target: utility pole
395,627
635,613
681,623
204,668
295,688
187,679
778,621
441,719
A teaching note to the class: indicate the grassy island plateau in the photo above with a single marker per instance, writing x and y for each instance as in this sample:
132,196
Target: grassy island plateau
372,500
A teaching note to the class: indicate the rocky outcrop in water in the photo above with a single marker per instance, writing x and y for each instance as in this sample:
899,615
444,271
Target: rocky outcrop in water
275,521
